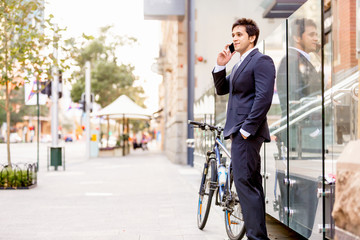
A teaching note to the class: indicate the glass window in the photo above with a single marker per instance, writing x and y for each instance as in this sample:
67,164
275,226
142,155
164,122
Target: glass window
275,151
305,118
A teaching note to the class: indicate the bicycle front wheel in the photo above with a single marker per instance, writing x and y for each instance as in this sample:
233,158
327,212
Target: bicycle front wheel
206,193
234,222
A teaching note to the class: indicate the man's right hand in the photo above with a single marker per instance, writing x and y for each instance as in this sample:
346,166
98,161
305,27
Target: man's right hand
224,56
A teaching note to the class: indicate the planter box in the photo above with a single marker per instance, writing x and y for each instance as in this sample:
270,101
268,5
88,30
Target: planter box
111,152
118,152
18,176
108,152
19,188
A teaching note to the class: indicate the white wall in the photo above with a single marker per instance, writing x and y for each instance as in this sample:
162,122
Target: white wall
213,22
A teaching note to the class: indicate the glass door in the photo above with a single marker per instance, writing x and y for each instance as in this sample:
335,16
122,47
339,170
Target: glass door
305,120
276,159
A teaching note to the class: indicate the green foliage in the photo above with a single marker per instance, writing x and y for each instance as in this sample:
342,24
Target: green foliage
23,43
24,47
138,125
109,79
120,140
2,115
10,178
17,115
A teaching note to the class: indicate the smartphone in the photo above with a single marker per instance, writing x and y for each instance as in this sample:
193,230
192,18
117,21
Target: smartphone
231,48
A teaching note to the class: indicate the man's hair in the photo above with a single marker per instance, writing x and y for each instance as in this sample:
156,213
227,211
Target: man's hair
251,27
298,26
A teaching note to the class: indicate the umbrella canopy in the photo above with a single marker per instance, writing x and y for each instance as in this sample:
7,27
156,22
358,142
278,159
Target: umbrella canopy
124,107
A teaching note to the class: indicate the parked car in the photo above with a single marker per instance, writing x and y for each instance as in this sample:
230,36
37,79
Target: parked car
68,138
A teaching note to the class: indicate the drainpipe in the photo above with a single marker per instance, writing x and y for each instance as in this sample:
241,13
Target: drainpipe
191,77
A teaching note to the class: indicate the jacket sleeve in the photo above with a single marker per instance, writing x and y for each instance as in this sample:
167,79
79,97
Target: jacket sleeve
264,77
221,82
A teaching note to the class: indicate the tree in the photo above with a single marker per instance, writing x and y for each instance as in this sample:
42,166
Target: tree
17,114
24,48
109,79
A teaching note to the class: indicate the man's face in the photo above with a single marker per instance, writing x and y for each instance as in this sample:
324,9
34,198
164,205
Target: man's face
242,41
309,39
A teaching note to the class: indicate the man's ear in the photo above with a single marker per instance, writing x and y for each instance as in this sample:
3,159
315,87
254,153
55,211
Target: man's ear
252,38
296,39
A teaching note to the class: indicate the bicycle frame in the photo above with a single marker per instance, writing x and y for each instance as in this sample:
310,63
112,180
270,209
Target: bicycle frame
216,151
218,144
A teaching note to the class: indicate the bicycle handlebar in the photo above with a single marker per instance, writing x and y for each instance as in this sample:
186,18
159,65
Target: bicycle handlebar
206,126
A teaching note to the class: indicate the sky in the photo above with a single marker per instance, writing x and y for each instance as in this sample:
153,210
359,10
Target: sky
87,16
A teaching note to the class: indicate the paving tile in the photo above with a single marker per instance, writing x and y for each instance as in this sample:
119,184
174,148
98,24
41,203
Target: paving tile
142,196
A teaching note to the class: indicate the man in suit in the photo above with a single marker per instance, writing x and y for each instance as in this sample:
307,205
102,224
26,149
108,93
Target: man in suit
298,74
304,80
250,87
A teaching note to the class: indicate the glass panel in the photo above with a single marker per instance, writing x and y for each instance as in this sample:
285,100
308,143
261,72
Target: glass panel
341,93
260,46
275,151
204,110
341,96
330,148
305,119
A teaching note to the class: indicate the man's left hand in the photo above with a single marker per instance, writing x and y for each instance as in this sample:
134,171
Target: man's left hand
243,136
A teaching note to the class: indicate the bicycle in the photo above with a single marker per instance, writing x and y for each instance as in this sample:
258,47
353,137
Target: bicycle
213,181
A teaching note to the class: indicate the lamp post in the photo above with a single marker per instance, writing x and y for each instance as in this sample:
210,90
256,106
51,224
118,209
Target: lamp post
87,104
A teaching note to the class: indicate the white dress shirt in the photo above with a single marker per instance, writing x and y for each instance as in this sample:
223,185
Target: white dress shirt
219,68
305,54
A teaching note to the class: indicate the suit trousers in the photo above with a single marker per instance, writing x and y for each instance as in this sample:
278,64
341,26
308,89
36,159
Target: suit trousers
246,164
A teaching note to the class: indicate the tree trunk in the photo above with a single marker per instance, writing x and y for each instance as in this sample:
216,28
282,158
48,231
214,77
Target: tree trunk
7,109
7,94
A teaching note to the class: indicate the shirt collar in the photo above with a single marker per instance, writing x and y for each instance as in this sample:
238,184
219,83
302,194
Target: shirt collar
242,57
306,55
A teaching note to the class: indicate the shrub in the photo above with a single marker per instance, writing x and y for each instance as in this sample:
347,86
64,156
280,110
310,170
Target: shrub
14,177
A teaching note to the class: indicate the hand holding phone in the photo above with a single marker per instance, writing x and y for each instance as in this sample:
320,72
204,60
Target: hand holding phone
231,48
224,56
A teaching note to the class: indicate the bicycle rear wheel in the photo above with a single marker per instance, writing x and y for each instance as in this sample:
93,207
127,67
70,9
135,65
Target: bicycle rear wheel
234,222
206,193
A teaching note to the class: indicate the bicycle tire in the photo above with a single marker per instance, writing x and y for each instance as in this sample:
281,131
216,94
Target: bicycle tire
234,222
206,194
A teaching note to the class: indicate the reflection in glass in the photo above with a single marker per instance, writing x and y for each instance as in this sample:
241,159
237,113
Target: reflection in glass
305,118
275,151
204,109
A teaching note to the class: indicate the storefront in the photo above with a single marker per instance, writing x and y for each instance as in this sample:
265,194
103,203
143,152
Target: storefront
313,117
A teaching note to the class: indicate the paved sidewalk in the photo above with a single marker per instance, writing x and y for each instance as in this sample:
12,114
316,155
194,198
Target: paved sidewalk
141,196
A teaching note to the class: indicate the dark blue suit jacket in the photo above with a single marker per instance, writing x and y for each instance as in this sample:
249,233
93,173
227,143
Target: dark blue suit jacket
251,90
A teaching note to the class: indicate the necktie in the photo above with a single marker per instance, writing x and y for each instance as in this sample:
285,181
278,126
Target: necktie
238,65
235,69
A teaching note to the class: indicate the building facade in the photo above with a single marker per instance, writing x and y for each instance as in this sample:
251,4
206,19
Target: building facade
313,120
173,90
211,35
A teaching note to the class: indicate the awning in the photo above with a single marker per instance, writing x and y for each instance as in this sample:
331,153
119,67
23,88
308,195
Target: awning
124,107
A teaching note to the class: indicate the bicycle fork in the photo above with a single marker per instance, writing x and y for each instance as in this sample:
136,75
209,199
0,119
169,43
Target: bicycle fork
205,172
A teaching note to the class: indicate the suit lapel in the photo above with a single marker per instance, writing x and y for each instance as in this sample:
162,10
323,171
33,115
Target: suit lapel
242,67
